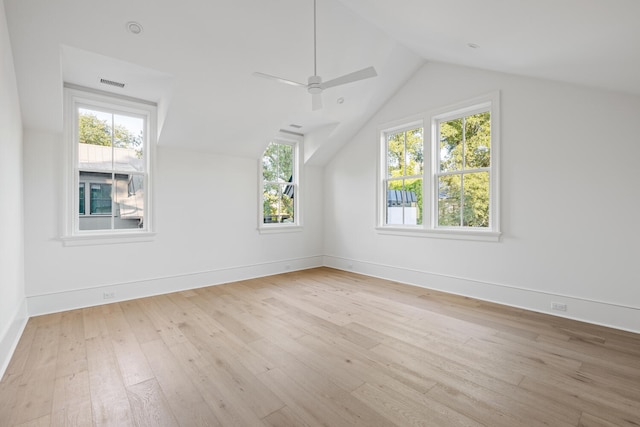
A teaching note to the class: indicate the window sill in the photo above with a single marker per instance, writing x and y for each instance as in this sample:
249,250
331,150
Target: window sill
279,228
90,239
477,235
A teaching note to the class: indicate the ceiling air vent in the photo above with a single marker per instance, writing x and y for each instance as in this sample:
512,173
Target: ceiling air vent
112,83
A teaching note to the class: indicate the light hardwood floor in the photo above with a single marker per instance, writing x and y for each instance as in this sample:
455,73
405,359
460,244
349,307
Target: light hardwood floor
318,348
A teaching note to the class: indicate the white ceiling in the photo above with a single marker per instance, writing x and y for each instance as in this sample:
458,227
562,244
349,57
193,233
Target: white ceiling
196,57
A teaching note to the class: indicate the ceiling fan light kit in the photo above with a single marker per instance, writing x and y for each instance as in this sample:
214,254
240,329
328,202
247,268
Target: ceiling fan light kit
315,86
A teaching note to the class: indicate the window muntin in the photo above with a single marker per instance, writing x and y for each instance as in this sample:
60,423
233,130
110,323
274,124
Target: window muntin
110,156
455,181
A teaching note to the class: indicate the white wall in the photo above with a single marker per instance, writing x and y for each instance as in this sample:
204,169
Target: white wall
206,222
12,304
570,200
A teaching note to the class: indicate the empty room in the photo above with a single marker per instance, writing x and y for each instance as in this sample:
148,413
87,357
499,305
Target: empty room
319,213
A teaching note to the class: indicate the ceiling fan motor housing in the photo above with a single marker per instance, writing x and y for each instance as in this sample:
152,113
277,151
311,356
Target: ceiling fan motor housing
314,85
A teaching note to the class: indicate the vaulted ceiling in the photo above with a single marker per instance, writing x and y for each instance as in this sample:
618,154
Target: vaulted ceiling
196,57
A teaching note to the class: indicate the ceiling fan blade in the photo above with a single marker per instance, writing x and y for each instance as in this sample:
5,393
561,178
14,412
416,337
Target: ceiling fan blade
316,101
278,79
365,73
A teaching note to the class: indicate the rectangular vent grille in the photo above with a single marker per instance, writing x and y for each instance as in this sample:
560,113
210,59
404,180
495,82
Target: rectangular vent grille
111,83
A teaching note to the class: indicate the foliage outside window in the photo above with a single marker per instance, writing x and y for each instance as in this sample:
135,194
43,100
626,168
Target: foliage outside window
110,142
464,171
280,184
444,180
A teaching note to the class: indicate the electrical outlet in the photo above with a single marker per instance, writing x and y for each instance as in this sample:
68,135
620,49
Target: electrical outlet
558,306
108,295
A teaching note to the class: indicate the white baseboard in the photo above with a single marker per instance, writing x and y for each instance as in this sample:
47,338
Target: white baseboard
596,312
81,298
11,335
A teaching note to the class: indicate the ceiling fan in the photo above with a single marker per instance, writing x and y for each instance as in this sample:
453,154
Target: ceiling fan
315,85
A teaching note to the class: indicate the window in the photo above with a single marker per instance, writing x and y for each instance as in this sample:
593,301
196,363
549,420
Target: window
280,185
442,181
405,169
110,142
462,177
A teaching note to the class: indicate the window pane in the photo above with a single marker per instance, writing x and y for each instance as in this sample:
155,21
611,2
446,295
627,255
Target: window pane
81,198
278,203
413,201
449,202
277,163
129,201
270,163
476,199
286,204
451,145
285,162
270,203
478,141
414,148
128,138
395,155
100,199
94,139
404,202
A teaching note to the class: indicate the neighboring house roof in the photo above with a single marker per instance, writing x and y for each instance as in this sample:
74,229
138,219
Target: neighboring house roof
100,157
400,196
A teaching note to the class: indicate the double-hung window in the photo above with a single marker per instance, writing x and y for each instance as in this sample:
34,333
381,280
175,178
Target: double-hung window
439,173
280,193
404,176
110,148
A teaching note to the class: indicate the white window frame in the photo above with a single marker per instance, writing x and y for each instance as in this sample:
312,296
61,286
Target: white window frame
76,97
295,141
430,121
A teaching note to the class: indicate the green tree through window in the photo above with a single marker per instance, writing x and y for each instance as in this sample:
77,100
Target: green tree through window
463,174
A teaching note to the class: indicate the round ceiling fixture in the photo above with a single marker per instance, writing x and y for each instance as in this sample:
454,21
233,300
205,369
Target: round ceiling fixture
134,27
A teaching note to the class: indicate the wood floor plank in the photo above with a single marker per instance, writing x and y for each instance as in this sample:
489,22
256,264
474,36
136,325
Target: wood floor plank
149,405
229,407
109,401
319,347
186,402
72,400
72,353
141,325
34,397
401,411
131,361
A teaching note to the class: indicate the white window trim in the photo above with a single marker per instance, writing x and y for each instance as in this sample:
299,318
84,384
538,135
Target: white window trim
428,228
296,141
70,234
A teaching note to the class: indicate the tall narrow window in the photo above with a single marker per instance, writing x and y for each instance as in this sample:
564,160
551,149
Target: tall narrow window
110,151
279,188
464,170
404,170
280,185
